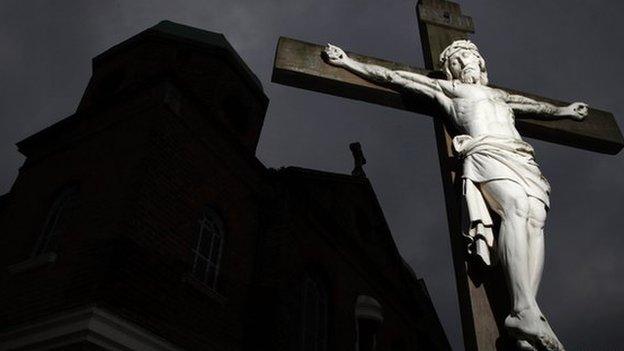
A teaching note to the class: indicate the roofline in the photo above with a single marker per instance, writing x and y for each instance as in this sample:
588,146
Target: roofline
315,173
199,38
408,272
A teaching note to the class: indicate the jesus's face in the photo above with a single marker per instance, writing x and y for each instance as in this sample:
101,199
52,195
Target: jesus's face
465,66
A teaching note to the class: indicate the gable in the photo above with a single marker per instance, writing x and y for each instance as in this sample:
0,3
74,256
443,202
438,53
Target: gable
349,205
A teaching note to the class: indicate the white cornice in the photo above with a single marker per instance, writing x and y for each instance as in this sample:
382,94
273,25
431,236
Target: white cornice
91,324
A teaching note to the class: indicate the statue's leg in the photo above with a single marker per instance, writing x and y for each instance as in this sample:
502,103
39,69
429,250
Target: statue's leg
525,322
511,203
537,220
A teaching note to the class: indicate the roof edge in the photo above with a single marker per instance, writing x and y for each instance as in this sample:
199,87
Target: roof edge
199,38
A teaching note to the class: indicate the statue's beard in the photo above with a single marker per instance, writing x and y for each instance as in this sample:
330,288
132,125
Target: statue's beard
470,76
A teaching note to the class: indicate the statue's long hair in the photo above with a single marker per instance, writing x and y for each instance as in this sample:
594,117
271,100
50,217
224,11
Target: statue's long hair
459,45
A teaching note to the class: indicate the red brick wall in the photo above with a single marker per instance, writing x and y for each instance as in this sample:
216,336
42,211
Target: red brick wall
144,179
180,175
99,164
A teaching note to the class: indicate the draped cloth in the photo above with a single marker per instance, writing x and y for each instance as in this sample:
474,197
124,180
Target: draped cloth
487,158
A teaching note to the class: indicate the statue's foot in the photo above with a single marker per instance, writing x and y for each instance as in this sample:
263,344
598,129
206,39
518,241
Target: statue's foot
529,325
523,345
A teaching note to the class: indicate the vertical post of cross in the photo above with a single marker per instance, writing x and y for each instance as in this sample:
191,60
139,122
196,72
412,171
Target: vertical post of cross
483,298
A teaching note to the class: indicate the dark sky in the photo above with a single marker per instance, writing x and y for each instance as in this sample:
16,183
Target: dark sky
567,50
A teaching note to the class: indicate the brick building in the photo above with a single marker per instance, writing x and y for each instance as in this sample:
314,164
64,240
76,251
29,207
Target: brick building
144,221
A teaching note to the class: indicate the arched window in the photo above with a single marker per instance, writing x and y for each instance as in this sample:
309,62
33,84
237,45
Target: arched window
369,316
56,221
314,321
208,246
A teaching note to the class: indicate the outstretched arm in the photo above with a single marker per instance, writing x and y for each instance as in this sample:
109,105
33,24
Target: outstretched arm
414,82
577,110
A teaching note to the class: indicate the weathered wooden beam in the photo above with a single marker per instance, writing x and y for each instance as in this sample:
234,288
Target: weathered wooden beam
598,132
300,64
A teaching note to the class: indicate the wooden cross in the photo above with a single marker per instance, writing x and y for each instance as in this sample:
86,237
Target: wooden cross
483,297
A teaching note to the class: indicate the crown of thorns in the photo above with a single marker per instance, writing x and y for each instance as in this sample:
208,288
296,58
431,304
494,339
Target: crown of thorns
456,46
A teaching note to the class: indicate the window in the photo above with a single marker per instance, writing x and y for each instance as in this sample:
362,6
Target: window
369,316
56,221
314,322
207,250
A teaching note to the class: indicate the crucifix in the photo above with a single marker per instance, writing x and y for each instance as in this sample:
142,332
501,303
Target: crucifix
495,193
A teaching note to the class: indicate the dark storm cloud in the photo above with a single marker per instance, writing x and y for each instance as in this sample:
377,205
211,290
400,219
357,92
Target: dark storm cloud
568,50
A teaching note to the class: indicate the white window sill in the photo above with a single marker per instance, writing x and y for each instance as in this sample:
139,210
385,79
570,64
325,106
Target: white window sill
205,289
44,259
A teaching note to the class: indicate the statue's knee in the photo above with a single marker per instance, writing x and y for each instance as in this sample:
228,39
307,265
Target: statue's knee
536,227
537,216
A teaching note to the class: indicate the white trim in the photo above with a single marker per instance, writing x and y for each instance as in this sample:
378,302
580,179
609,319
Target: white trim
368,307
210,228
91,324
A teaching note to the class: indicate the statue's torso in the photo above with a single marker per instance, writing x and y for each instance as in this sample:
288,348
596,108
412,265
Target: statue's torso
479,110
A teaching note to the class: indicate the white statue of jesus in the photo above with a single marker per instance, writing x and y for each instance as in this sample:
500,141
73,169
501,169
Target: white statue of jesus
499,172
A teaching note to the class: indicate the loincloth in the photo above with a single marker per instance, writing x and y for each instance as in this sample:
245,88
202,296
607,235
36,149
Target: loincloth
487,158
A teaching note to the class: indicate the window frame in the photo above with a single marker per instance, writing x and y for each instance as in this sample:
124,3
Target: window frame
312,285
57,212
210,225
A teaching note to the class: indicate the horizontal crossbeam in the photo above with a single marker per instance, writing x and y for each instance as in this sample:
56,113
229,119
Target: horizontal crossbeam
300,64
